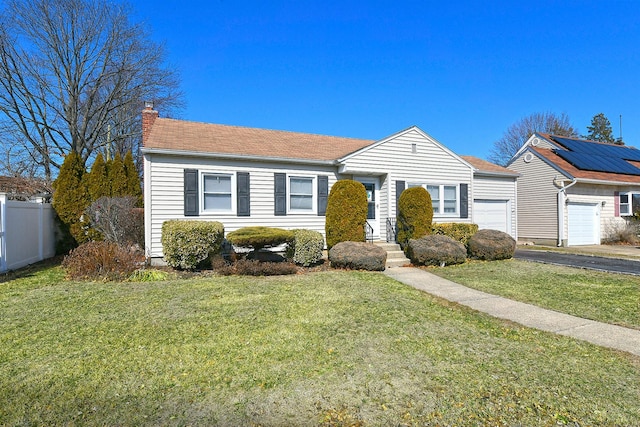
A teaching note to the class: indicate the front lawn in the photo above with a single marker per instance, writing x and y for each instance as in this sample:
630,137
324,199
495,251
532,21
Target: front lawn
332,348
605,297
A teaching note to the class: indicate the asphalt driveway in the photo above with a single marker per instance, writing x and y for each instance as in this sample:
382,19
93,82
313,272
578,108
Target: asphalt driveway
612,265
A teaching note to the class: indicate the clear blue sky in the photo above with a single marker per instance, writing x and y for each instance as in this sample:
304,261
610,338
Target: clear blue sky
461,71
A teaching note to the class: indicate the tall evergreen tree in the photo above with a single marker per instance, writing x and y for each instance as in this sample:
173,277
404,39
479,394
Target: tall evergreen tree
71,198
117,177
600,129
98,179
133,179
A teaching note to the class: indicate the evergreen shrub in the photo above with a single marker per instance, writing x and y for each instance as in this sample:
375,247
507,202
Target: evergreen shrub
456,230
187,243
491,245
307,247
415,213
346,213
436,249
70,199
358,256
260,237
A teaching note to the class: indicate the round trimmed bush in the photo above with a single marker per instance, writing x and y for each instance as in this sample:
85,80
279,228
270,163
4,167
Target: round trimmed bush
415,213
187,243
436,249
358,256
346,212
307,247
491,245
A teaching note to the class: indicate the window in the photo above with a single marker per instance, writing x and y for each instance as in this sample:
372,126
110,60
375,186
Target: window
629,203
217,192
301,194
444,198
434,192
625,208
450,199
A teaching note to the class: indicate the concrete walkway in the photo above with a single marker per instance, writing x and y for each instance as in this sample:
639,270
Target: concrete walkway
603,334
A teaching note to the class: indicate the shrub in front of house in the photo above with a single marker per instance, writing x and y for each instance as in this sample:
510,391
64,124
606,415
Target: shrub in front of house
346,212
491,245
260,237
436,249
415,213
459,231
306,248
253,267
358,256
102,261
188,243
70,199
117,219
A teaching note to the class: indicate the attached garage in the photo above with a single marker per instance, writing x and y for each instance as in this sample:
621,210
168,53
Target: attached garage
493,214
583,224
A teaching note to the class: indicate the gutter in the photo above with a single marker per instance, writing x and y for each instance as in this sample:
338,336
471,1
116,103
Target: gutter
562,195
250,158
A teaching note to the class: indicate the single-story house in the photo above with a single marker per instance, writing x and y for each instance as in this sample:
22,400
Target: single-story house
572,191
244,176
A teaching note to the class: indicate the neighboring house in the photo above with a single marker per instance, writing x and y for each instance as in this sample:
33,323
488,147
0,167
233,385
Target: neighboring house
244,176
574,192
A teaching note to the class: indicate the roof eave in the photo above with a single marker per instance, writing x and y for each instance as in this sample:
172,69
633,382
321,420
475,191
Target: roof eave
496,173
243,157
605,182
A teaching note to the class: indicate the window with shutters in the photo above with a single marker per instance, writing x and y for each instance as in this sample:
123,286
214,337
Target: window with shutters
444,198
217,192
301,194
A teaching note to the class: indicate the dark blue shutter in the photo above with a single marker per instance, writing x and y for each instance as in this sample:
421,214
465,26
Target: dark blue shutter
464,200
323,193
399,190
280,194
243,194
191,192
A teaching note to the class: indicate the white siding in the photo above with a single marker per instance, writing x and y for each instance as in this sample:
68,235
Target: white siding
498,188
537,199
165,195
394,158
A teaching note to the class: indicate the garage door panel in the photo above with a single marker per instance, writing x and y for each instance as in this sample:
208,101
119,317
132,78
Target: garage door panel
492,214
583,224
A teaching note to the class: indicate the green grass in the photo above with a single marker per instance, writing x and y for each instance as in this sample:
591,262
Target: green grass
605,297
332,348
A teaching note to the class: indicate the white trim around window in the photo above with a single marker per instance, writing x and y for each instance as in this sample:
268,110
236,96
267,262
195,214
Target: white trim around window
445,198
218,194
302,194
629,202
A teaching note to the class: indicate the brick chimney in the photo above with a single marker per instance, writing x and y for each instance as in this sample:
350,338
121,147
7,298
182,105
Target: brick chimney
149,116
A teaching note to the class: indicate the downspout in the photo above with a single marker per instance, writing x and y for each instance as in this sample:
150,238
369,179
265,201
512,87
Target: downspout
562,194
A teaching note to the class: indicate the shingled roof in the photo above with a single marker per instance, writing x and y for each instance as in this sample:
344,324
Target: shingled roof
484,166
180,135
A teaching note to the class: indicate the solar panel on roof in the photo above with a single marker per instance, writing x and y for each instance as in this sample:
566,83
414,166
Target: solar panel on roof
590,162
599,149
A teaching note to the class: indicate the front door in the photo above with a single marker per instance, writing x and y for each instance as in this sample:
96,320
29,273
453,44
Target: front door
373,209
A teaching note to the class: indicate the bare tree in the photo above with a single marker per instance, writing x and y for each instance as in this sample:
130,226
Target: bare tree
73,75
517,134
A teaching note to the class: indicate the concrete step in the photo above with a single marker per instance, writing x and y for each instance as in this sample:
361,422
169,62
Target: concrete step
395,255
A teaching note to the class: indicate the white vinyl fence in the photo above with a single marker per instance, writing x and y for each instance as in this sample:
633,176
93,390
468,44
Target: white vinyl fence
27,233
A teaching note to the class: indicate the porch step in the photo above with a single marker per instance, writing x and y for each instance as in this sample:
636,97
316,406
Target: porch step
395,255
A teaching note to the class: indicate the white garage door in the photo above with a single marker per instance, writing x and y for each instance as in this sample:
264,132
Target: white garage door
584,224
492,214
